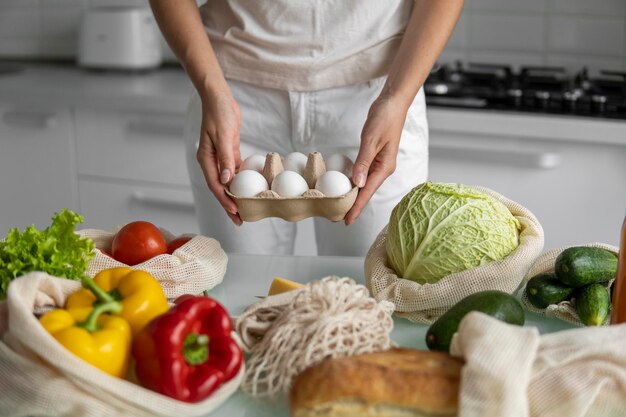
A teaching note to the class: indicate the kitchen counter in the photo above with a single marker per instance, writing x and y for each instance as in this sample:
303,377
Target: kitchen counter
164,90
248,276
167,89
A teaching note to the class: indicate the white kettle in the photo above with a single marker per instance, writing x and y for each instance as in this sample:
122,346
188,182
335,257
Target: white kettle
119,38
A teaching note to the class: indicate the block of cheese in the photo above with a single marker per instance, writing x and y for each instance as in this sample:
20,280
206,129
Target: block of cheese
280,285
395,383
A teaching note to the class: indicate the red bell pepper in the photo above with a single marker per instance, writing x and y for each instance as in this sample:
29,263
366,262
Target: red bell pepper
188,352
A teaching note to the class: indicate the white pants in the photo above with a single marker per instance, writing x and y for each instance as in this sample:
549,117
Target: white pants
328,121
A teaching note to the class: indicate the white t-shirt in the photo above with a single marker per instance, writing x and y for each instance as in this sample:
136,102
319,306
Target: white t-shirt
305,45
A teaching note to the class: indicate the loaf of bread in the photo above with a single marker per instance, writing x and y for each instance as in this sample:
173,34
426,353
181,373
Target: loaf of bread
397,382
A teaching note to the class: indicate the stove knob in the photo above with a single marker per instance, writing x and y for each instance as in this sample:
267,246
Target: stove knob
542,99
598,103
571,100
515,97
440,89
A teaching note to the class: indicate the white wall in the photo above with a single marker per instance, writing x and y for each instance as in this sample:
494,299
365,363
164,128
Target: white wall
569,33
542,32
41,29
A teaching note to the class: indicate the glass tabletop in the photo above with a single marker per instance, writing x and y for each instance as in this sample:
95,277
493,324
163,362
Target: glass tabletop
249,276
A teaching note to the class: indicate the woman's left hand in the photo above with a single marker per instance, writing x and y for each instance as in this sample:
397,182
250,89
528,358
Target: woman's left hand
376,160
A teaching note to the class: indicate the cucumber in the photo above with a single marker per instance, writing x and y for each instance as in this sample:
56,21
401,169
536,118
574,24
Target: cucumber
579,266
592,304
544,289
497,304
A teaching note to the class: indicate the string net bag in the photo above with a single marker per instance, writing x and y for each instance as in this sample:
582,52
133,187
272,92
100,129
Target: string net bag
39,377
285,334
565,310
424,303
196,266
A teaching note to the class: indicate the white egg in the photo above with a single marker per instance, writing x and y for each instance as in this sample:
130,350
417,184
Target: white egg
253,162
333,184
248,183
295,162
339,162
289,184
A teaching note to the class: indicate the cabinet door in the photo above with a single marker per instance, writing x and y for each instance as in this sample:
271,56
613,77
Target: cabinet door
134,146
37,165
109,204
575,189
583,198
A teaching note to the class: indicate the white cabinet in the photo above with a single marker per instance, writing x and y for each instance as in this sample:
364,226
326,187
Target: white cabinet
108,204
131,145
575,188
37,165
131,166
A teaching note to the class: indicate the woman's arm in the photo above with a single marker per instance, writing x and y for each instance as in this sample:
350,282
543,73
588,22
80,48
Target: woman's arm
218,151
429,28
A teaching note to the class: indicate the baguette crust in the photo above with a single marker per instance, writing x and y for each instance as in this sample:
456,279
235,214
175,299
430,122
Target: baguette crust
397,382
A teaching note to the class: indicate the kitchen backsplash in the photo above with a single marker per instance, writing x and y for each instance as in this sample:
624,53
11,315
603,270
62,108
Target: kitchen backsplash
571,33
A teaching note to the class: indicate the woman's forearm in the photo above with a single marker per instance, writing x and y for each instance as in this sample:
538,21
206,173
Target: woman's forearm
429,28
180,23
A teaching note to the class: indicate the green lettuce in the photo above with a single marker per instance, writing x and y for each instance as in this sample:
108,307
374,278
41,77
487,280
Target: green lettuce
439,229
57,250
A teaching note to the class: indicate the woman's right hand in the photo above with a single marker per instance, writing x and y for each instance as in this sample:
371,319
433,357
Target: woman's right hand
218,150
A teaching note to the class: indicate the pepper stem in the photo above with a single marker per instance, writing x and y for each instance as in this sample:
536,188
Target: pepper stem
196,348
101,295
91,324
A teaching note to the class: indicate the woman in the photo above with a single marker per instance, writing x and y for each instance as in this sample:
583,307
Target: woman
335,76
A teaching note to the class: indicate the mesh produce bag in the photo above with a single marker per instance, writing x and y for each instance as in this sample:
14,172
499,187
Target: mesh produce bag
565,310
288,332
39,377
514,371
198,265
424,303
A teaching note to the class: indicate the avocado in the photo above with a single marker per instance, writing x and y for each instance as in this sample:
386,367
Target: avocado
497,304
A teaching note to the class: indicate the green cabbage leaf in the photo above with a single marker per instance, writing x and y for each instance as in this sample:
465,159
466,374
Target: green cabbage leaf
438,229
57,250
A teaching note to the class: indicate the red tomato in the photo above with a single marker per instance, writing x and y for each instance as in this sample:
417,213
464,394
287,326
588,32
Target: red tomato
137,242
177,243
105,253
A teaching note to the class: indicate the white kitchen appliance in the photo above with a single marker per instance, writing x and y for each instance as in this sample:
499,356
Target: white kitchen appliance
119,38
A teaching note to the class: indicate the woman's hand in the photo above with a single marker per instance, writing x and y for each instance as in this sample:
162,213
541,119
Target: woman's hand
376,160
218,150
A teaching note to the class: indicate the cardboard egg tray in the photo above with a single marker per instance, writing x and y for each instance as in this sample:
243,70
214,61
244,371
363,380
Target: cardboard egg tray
310,204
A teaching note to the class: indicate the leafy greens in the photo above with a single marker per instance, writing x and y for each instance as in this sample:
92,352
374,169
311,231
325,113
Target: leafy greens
57,250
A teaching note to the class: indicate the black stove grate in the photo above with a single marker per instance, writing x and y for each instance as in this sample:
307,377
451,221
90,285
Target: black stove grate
531,89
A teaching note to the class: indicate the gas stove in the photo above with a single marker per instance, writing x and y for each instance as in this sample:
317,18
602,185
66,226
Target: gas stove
550,90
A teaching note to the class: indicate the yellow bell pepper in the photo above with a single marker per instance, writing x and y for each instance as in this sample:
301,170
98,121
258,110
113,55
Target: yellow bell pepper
100,339
140,294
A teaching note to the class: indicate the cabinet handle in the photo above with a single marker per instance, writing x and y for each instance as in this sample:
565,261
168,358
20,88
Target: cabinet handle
155,128
165,200
520,158
30,119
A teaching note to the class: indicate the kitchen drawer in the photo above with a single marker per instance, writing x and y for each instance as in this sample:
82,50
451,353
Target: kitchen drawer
138,146
37,165
106,205
575,189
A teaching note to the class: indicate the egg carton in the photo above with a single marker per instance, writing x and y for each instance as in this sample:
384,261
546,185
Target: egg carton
312,203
